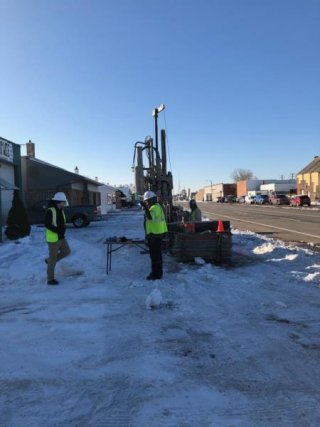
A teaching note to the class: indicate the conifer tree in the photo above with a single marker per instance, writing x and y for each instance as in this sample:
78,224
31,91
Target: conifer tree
17,221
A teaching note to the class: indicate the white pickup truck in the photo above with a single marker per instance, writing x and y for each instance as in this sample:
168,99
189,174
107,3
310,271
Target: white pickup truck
249,199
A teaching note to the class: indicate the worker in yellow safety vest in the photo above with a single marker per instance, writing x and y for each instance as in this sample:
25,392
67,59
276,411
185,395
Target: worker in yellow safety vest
55,223
195,214
156,227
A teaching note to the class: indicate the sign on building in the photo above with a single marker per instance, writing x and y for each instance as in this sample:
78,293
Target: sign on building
6,150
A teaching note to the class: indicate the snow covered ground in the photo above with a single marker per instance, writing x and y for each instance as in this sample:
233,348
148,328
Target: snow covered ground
205,346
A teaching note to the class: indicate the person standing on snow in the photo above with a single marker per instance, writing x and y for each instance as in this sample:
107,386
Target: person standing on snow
156,227
195,211
55,223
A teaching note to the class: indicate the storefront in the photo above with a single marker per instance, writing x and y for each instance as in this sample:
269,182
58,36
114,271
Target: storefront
10,175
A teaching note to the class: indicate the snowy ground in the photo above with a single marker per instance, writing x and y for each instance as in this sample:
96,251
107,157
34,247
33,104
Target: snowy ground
236,346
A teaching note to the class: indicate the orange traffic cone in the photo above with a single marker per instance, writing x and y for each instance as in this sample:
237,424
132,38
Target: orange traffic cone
220,228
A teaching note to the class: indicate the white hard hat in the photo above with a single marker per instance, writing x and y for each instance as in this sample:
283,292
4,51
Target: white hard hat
149,195
60,197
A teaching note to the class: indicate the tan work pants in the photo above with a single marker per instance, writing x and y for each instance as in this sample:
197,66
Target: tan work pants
57,251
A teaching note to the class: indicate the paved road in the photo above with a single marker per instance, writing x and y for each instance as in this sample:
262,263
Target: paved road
289,224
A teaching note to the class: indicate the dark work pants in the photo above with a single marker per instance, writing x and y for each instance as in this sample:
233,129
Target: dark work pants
156,256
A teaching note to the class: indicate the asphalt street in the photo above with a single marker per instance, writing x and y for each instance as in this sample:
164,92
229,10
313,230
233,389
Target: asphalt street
289,224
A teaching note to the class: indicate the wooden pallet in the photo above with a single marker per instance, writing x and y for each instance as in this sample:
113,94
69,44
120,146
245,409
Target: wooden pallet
204,242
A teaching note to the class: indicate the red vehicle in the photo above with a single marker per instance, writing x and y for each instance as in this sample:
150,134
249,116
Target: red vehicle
300,200
279,199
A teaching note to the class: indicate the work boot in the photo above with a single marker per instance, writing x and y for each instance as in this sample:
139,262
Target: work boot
157,270
52,282
151,276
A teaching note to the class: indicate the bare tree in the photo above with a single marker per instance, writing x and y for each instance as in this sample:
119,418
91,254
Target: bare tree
241,174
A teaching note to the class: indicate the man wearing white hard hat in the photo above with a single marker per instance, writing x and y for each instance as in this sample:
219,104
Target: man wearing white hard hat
156,227
55,222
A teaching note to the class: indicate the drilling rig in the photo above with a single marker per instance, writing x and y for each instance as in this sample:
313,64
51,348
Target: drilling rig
155,176
210,240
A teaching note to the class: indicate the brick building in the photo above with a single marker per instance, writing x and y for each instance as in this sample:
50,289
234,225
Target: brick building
308,179
41,180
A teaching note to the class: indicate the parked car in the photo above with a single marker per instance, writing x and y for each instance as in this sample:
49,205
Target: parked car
241,199
261,199
79,216
220,199
249,199
300,200
279,199
230,198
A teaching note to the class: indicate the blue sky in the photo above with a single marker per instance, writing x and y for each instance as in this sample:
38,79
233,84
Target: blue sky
239,78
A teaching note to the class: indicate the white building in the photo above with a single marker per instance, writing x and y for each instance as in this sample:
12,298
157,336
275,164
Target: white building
283,186
107,193
265,186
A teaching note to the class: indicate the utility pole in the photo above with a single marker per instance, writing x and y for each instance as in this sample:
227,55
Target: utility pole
210,189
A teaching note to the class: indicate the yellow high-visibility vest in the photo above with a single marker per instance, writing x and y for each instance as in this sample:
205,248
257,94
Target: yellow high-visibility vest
51,236
195,215
156,225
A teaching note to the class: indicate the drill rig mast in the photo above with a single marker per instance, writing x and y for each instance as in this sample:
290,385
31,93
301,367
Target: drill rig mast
153,175
210,240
